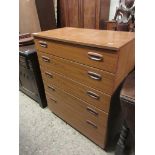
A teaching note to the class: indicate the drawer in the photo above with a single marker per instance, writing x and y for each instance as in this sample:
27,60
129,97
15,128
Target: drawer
85,118
98,58
91,96
97,79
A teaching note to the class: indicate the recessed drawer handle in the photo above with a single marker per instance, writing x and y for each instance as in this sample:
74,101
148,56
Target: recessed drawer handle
94,75
49,74
43,44
95,56
91,123
93,95
92,111
50,87
53,100
46,59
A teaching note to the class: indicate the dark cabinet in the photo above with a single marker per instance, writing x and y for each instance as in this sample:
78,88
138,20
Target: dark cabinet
30,80
46,14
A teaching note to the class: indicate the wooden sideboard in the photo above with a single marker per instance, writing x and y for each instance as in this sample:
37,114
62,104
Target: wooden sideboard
81,70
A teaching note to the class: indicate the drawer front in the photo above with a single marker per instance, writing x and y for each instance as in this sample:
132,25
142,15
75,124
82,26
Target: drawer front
91,122
101,59
91,96
89,76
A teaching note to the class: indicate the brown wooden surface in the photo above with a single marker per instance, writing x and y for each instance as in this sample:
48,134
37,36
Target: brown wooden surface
64,64
126,62
111,25
74,112
76,89
81,54
78,72
83,15
89,14
104,12
127,99
94,38
73,12
128,90
46,14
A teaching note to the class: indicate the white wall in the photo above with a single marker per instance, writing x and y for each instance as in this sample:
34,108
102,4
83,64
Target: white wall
28,17
55,7
113,5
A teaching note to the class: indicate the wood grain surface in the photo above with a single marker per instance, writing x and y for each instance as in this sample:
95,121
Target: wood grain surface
81,70
89,95
126,62
83,15
94,38
98,58
76,113
104,81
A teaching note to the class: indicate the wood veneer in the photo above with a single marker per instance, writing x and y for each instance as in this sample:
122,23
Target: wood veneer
95,78
75,112
102,39
83,13
107,58
92,96
65,64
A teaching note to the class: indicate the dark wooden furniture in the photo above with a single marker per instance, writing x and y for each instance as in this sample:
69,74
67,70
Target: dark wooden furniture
81,69
83,13
124,19
36,15
30,80
126,141
111,25
46,14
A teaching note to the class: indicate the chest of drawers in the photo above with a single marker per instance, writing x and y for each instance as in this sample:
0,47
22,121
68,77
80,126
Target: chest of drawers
81,70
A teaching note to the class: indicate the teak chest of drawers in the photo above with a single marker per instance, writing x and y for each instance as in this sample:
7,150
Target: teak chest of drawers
81,69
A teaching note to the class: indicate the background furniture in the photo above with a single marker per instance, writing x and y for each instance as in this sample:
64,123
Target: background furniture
46,14
29,72
36,16
83,13
81,70
124,19
126,141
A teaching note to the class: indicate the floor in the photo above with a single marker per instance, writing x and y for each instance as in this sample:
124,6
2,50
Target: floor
43,133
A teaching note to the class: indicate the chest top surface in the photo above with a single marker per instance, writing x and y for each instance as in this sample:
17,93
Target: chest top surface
90,37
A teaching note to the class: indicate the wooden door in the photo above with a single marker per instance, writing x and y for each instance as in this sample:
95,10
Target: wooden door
83,13
73,13
46,14
68,13
91,13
